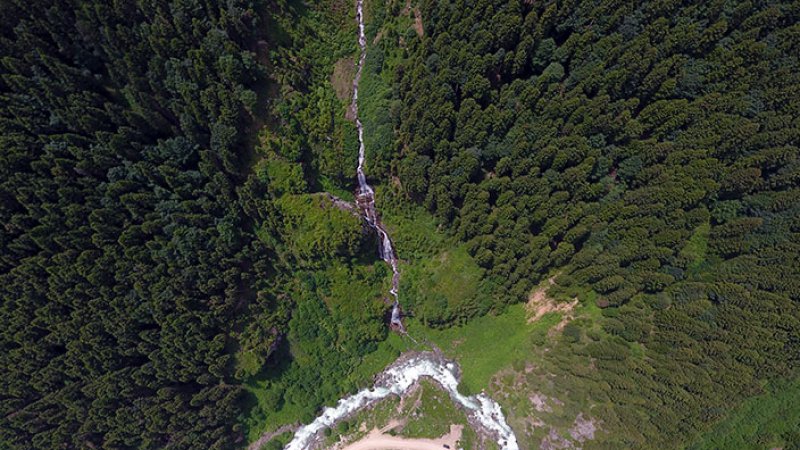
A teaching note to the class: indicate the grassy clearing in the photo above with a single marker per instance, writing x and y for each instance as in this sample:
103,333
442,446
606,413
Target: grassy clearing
696,250
445,288
452,274
432,416
426,413
342,78
487,344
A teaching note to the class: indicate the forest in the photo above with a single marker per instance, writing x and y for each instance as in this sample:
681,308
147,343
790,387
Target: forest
127,245
161,173
173,273
647,154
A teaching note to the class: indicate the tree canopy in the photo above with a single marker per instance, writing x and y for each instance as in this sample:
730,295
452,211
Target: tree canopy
125,245
647,152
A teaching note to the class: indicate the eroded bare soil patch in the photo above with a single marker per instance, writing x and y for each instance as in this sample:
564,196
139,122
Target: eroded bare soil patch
540,304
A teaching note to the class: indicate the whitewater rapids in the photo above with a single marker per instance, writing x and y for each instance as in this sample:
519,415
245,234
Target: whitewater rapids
397,379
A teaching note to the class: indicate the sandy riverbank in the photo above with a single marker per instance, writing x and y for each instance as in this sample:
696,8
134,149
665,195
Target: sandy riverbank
378,440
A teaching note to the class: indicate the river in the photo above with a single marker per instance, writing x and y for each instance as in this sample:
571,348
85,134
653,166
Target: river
484,413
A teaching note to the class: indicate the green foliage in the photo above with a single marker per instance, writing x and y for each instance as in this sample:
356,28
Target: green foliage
126,249
317,231
648,151
330,349
771,419
508,335
284,177
327,276
310,126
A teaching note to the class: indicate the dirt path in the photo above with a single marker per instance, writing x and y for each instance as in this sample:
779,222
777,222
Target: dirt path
376,440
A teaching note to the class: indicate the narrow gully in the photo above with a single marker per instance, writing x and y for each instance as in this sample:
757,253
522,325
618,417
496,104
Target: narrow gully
484,414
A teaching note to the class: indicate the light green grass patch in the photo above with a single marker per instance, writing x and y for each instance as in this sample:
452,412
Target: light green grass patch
487,344
432,416
454,275
438,288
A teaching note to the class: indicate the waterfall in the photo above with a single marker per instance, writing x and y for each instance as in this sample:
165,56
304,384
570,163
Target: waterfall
483,412
365,195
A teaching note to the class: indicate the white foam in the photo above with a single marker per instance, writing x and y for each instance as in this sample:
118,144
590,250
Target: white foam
397,380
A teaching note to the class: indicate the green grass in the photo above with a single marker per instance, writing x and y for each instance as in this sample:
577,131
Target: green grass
444,288
433,415
452,274
487,344
765,421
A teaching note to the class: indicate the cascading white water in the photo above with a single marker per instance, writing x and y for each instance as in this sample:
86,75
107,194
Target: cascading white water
397,379
365,195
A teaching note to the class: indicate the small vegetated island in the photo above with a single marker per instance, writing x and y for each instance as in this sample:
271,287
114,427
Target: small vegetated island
593,209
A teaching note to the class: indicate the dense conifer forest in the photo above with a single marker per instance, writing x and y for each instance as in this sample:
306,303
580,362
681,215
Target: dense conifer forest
647,151
126,244
174,274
